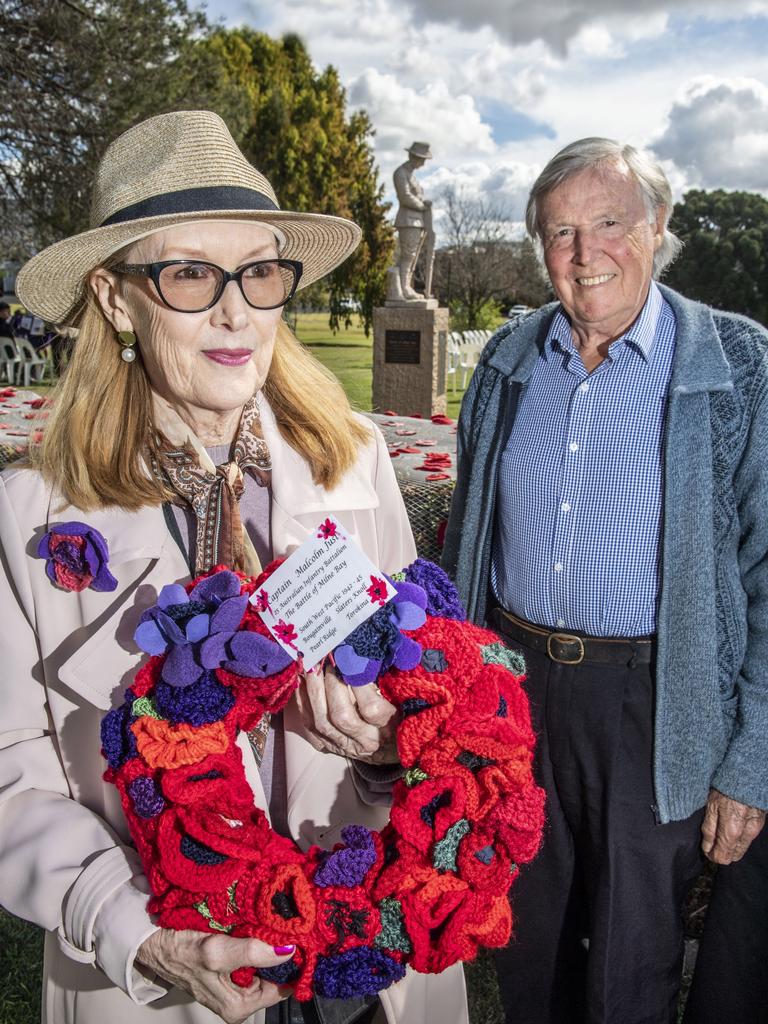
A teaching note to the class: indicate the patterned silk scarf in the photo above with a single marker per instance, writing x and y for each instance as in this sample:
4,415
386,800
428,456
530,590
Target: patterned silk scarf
213,493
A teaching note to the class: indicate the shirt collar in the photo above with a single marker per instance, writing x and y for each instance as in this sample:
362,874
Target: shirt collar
642,333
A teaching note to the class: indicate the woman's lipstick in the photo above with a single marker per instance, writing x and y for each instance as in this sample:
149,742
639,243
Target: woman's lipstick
229,356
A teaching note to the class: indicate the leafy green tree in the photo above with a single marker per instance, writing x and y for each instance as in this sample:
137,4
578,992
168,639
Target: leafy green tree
725,259
487,316
75,74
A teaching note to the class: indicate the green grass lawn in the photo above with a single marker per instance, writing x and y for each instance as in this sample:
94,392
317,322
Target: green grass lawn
21,957
349,355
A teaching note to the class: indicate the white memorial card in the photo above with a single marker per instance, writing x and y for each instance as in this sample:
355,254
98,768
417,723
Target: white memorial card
321,593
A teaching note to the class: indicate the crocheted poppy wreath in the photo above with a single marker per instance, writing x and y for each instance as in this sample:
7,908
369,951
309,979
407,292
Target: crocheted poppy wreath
430,888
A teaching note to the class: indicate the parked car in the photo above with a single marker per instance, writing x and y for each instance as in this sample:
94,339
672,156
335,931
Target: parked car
517,310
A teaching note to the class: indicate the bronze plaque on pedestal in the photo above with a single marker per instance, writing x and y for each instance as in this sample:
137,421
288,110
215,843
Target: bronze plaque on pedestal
402,346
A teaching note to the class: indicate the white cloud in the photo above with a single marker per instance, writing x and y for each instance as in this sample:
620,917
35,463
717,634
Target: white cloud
559,22
503,186
475,80
717,133
402,114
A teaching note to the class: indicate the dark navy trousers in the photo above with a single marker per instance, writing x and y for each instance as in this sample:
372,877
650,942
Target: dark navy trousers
730,983
598,935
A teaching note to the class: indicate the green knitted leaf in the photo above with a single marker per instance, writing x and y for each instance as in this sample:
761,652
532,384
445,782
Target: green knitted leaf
414,776
393,934
145,706
231,897
499,654
444,853
202,908
399,576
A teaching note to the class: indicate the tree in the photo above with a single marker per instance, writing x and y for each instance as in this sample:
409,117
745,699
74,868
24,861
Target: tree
291,122
725,259
75,74
482,269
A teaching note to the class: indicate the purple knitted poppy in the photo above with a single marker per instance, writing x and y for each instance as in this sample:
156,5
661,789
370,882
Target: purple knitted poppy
205,701
147,798
117,739
76,557
378,643
442,596
280,974
357,972
195,629
349,865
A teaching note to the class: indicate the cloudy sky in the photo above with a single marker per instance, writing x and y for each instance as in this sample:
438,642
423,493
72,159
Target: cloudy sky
498,86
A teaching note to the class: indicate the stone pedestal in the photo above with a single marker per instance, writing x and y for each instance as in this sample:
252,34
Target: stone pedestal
409,358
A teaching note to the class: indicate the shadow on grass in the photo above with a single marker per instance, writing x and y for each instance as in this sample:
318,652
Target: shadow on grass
21,962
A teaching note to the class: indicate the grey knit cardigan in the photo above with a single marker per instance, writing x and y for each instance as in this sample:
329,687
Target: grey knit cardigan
711,716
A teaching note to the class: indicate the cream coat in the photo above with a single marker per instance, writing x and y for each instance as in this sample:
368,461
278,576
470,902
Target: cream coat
66,862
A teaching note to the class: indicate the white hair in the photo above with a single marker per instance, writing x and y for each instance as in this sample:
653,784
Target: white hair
592,153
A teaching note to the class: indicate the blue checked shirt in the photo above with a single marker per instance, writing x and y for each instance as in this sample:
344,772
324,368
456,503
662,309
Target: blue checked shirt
580,483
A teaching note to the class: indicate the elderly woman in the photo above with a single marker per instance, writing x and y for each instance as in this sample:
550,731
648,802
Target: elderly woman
191,430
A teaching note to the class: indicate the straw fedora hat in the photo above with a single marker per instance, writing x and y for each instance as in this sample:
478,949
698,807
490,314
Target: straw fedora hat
182,166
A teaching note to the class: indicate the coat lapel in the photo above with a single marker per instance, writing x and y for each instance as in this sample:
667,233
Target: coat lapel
143,557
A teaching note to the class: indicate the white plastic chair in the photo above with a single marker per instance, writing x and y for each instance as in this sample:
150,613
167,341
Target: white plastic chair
9,360
453,357
32,367
466,357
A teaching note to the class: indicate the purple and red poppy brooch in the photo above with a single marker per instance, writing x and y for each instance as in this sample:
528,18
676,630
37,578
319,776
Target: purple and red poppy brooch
76,557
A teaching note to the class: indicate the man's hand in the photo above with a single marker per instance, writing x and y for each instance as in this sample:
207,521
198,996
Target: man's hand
728,828
354,721
201,963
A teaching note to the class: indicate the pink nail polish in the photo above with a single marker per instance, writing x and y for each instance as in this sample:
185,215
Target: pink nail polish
283,950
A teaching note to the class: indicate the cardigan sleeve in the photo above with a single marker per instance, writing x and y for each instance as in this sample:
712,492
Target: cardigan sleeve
743,772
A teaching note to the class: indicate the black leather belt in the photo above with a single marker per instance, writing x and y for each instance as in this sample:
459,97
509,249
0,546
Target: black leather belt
574,648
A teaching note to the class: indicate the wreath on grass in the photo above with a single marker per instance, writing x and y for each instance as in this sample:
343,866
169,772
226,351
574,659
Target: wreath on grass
431,887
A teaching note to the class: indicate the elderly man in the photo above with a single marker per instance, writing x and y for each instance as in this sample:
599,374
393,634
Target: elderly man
609,519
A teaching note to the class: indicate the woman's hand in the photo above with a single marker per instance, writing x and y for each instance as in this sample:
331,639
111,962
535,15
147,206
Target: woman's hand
354,721
201,964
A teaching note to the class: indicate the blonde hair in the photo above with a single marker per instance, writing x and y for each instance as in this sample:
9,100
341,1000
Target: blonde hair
100,423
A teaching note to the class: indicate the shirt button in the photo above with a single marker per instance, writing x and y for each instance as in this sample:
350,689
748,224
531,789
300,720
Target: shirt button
565,507
573,446
558,566
584,387
561,623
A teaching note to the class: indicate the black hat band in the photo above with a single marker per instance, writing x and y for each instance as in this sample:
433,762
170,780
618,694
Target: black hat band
193,200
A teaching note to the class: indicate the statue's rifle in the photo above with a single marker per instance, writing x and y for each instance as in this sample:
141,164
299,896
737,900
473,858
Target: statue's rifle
429,251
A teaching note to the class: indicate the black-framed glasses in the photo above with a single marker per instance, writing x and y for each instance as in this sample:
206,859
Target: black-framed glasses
191,286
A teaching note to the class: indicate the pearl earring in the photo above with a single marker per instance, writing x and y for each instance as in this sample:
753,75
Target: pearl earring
127,339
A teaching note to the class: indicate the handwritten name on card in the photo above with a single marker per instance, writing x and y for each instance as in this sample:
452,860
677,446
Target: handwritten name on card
321,593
